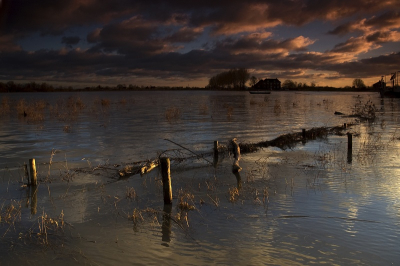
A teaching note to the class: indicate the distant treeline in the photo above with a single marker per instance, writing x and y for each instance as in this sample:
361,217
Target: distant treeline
45,87
233,79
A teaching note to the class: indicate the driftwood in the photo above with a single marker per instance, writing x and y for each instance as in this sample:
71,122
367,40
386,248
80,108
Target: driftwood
138,169
149,166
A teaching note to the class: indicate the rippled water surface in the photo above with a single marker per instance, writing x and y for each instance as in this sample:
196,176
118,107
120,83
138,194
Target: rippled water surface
300,206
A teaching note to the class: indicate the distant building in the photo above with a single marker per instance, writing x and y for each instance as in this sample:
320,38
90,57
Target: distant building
379,85
268,84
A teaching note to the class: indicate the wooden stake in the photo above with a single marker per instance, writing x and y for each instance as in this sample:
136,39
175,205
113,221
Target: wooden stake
216,148
349,147
33,172
166,179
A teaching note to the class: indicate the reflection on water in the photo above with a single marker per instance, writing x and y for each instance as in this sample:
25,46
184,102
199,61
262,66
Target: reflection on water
317,203
166,224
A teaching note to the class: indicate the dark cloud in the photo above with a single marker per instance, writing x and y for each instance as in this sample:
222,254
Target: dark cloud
133,36
388,19
378,37
259,44
53,17
81,65
354,46
184,35
70,41
343,29
370,67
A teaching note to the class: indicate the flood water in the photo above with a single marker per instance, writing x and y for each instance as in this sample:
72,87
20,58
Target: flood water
306,205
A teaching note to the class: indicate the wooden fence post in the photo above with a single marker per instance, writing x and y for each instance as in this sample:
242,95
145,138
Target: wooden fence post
304,134
349,147
216,148
166,179
32,166
215,159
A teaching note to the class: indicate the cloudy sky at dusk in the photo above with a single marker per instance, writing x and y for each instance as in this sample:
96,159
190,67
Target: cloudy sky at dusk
181,43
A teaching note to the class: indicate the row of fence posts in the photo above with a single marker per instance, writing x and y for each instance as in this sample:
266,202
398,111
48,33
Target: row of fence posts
165,163
166,172
165,168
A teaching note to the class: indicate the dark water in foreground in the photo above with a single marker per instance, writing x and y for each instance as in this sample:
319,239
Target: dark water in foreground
306,205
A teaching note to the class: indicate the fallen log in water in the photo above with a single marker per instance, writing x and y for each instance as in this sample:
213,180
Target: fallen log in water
284,141
292,139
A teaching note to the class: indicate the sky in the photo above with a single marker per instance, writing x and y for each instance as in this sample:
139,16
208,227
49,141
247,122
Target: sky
185,43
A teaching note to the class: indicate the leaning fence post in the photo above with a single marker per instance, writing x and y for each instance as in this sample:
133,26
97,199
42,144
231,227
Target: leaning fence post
166,179
32,166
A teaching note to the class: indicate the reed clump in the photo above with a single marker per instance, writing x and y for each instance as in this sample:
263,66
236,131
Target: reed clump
75,104
185,200
131,193
277,107
203,109
33,111
172,113
136,217
233,193
105,102
5,106
10,213
365,111
48,226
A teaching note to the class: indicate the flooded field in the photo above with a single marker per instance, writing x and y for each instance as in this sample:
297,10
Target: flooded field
307,204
